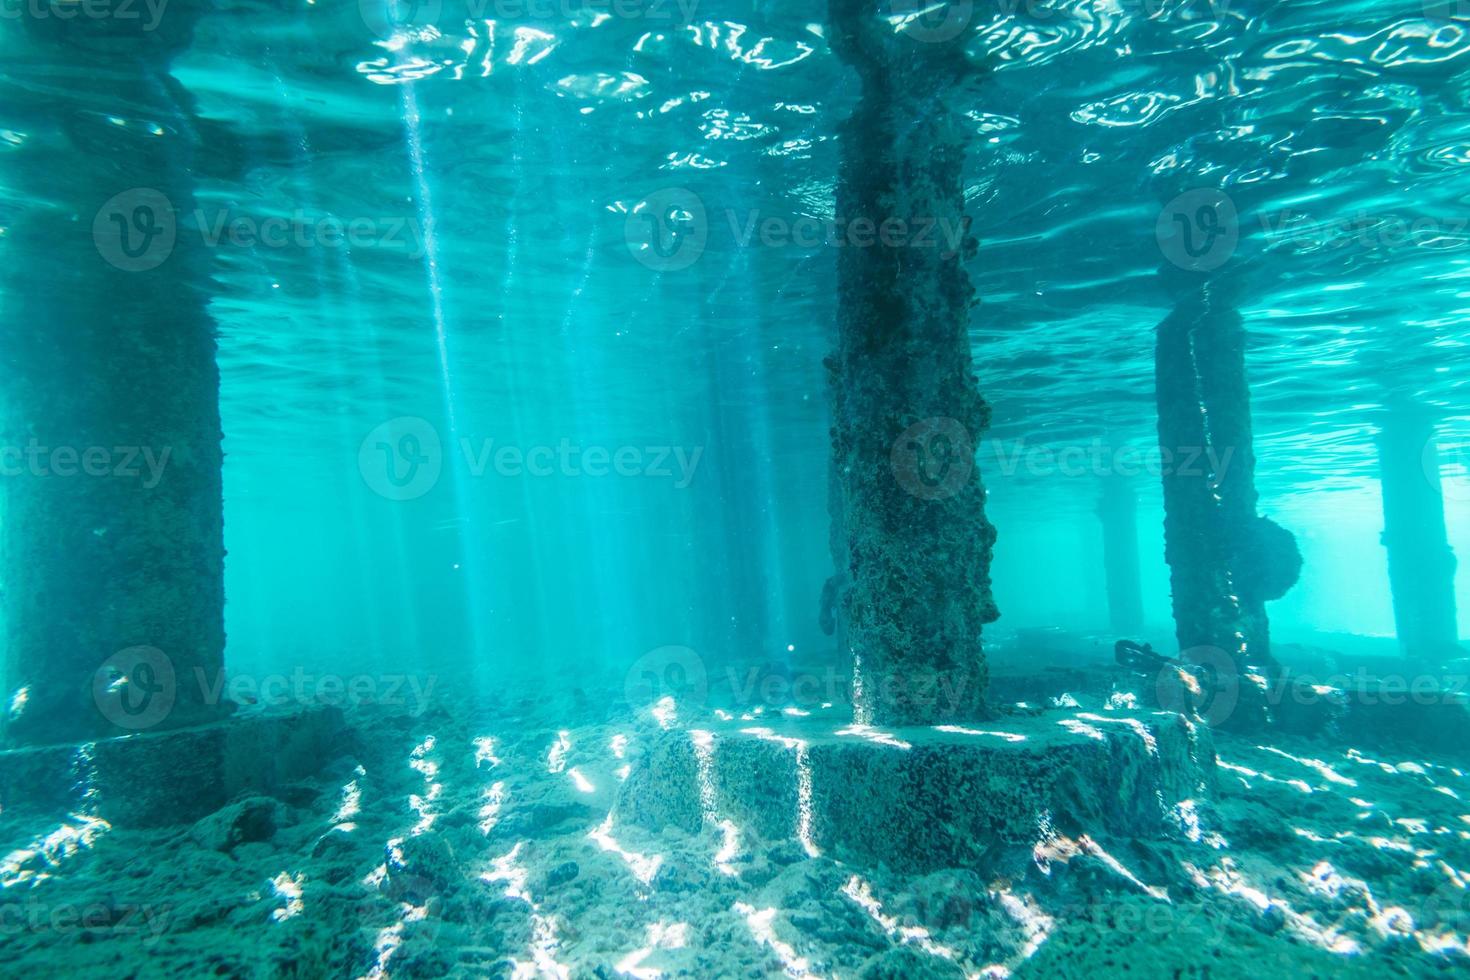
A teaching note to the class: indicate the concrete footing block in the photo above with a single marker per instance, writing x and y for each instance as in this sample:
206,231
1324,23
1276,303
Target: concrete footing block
920,799
157,779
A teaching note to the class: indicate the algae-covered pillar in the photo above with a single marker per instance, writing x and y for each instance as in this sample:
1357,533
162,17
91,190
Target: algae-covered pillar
111,547
1117,511
907,411
1225,559
1421,564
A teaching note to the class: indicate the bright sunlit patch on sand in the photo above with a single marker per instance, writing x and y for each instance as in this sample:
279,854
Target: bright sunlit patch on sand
803,785
704,756
485,751
661,935
384,946
961,730
762,927
642,866
664,712
1316,765
545,943
870,734
1081,728
1035,925
507,869
861,892
18,702
489,814
1186,813
556,757
619,746
288,887
350,806
1229,881
1296,784
52,849
1137,727
583,784
423,803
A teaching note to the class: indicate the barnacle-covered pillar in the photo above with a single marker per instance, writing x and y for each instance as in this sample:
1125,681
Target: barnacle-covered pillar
907,411
1117,511
1225,559
1421,564
111,548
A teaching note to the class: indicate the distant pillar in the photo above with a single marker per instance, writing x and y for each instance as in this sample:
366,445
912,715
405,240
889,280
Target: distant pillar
1117,510
907,410
1421,564
112,545
1225,560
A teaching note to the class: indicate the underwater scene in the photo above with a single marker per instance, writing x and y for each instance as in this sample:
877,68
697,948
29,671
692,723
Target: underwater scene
734,488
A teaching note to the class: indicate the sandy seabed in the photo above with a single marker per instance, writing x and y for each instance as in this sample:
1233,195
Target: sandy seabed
477,839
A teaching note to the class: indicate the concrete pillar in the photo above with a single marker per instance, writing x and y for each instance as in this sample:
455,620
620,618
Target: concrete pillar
112,544
907,410
1117,510
1421,565
1225,560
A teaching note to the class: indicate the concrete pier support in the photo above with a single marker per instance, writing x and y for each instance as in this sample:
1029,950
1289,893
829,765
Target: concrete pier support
1226,560
111,546
907,411
920,799
1421,564
1117,510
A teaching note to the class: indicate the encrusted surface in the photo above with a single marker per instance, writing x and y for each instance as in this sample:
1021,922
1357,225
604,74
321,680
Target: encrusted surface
925,798
169,777
915,552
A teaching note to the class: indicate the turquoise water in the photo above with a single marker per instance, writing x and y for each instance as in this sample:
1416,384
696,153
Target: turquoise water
522,310
1327,117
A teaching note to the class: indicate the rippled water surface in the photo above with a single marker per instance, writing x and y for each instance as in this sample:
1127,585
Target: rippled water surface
493,156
